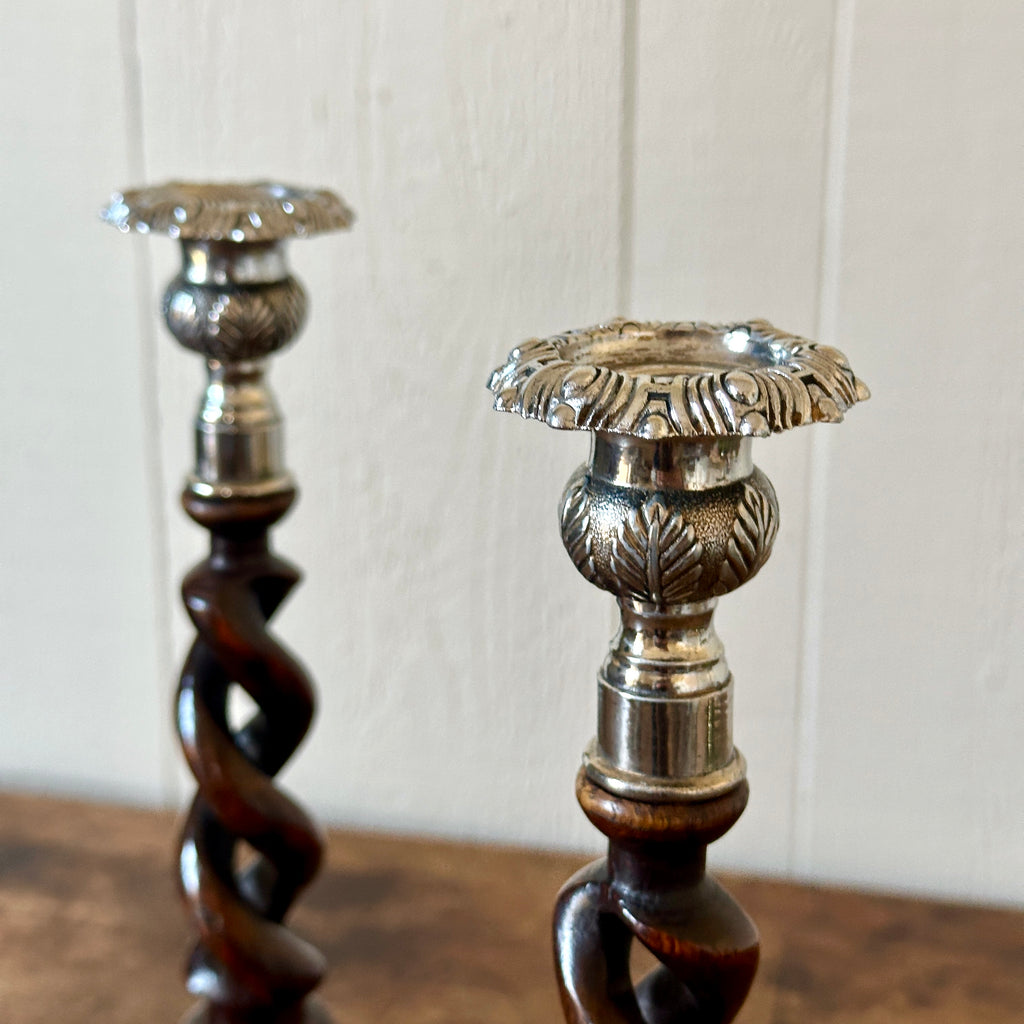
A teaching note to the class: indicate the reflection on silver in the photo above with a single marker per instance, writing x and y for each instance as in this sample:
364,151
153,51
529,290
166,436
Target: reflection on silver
239,442
658,380
697,465
656,789
224,263
664,705
259,211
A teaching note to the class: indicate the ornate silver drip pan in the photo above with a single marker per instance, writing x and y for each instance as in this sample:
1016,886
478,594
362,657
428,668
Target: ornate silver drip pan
690,379
226,211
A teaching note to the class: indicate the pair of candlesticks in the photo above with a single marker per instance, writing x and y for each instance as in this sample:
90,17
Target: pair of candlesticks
668,514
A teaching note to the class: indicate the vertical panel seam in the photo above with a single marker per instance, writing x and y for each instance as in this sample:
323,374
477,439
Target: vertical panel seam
159,564
809,676
627,159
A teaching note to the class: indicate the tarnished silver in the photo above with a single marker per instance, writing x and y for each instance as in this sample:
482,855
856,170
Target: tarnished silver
236,303
670,513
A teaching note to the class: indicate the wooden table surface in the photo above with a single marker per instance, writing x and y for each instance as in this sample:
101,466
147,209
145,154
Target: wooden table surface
419,931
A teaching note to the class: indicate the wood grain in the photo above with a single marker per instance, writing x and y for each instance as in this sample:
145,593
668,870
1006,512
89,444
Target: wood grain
248,968
652,893
423,932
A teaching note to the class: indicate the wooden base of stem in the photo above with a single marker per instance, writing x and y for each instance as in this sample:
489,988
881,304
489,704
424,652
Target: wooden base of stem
247,849
652,887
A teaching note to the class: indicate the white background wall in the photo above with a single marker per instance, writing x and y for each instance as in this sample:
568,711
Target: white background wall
852,171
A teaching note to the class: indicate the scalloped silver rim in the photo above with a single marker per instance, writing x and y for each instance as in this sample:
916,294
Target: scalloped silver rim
227,211
782,381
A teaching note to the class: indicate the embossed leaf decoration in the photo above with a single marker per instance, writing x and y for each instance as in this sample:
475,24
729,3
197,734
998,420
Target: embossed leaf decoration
576,527
251,322
602,378
753,533
656,555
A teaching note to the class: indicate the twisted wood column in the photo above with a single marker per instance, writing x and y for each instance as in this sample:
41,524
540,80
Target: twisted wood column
668,515
247,849
652,888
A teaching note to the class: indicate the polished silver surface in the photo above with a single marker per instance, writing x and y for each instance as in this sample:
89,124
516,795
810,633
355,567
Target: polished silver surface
668,545
656,789
235,303
696,465
236,320
668,514
686,379
664,711
218,264
672,651
661,737
239,435
261,211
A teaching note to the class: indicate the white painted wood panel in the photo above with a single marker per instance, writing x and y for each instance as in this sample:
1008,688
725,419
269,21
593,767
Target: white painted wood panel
917,782
78,627
454,645
728,155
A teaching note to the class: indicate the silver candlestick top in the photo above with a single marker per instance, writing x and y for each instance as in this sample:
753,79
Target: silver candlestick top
688,379
236,303
262,211
670,513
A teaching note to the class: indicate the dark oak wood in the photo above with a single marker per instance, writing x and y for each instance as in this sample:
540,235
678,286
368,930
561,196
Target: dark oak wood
444,933
247,849
652,888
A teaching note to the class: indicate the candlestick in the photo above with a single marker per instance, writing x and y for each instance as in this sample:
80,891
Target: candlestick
668,515
247,848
